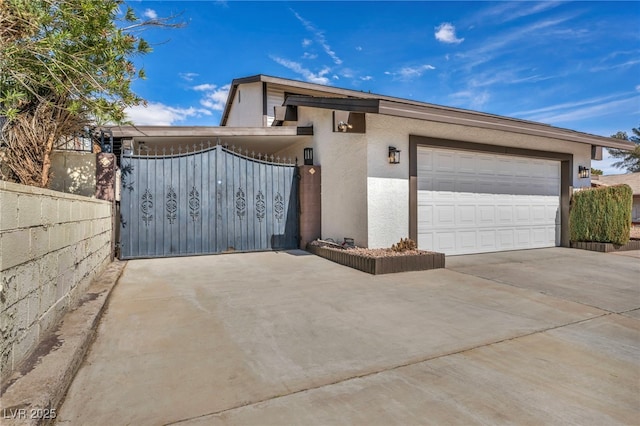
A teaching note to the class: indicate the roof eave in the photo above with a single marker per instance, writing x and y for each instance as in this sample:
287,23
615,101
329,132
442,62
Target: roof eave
202,131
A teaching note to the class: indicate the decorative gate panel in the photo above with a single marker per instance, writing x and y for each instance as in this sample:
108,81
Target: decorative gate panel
208,201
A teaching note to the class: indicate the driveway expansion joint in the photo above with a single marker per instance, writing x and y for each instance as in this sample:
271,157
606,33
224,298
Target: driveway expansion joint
494,280
384,370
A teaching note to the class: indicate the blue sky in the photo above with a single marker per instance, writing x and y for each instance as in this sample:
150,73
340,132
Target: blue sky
574,65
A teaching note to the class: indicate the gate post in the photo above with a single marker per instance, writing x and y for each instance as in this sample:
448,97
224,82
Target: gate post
310,208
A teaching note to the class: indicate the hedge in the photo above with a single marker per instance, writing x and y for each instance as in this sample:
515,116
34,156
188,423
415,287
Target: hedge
601,214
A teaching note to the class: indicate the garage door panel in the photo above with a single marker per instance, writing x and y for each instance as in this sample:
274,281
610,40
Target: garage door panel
522,214
425,239
444,216
505,167
425,184
505,239
486,202
539,235
441,184
523,237
538,214
444,162
466,215
485,165
426,214
523,169
446,240
466,187
504,215
466,240
486,215
487,240
425,161
467,164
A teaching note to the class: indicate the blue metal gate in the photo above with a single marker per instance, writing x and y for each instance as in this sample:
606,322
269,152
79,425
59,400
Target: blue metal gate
205,201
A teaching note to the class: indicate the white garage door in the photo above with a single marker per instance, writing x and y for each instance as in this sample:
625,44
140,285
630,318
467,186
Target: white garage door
475,202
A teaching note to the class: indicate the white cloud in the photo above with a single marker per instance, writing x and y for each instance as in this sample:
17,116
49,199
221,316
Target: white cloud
204,87
150,13
366,78
308,55
572,105
215,97
359,48
446,33
504,43
320,38
188,76
306,42
626,64
410,73
471,99
308,75
566,113
158,114
509,11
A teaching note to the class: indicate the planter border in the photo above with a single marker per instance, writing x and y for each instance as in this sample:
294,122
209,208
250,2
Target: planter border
605,247
381,265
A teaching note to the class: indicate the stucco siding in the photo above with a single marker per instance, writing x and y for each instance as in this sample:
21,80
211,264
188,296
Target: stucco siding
398,129
388,214
246,110
343,158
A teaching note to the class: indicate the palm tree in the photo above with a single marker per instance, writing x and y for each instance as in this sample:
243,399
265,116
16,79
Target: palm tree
629,160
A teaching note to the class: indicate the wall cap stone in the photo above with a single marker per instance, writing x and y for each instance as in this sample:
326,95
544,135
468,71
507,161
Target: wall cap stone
33,190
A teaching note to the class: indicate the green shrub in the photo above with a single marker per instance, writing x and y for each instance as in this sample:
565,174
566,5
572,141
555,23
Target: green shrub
601,214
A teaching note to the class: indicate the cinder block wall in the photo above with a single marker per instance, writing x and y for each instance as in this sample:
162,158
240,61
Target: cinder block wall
52,245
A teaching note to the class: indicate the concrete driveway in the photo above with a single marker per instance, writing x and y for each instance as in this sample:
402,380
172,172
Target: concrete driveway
547,336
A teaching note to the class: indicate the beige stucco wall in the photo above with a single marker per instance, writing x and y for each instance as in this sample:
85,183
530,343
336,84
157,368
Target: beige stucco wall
51,246
344,175
246,109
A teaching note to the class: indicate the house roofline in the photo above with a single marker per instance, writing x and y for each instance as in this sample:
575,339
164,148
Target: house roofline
436,113
206,131
353,100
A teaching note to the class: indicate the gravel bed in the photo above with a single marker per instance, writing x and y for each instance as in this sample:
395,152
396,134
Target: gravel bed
382,252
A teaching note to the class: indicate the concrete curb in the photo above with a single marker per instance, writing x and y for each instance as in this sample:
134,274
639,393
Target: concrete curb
32,394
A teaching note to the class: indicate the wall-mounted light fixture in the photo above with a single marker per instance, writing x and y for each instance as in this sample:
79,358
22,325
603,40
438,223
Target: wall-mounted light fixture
394,155
583,172
308,156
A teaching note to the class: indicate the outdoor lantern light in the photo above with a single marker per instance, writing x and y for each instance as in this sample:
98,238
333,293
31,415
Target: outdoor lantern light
394,155
583,172
344,126
308,156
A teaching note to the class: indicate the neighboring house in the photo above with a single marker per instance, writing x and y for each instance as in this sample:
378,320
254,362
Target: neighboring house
466,181
631,179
